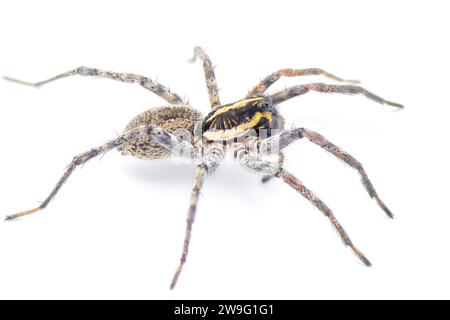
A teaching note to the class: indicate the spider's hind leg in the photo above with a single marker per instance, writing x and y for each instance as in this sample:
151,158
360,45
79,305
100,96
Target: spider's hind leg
80,160
145,82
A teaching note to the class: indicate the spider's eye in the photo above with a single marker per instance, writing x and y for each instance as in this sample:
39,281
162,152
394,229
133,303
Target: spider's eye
265,104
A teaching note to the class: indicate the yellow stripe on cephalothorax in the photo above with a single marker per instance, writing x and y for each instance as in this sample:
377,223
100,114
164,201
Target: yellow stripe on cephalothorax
240,130
237,105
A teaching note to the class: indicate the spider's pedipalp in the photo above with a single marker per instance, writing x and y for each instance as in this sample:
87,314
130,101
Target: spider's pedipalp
145,82
210,77
308,194
294,91
274,77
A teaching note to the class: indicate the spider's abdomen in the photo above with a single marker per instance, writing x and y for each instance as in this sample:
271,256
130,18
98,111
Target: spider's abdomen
238,119
171,118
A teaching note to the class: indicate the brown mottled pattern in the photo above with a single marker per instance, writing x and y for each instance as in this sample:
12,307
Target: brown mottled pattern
171,118
274,77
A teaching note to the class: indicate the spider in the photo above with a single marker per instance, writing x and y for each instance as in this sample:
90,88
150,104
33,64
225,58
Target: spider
235,127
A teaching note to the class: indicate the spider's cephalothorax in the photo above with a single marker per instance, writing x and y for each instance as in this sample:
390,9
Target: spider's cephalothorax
237,119
156,134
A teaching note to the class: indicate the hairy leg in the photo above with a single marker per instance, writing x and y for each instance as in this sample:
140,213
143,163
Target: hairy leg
274,77
269,168
145,82
214,156
292,92
162,137
308,194
198,182
210,77
286,138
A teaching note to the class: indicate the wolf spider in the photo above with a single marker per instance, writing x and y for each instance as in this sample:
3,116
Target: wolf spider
153,135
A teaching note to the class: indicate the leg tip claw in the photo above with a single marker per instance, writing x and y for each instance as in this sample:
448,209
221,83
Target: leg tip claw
366,261
384,207
21,214
394,104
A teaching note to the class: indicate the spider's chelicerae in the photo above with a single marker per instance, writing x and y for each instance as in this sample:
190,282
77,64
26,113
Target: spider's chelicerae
251,128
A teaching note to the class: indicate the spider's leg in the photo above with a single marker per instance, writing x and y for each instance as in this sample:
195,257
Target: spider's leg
214,155
294,91
210,77
270,168
308,194
145,82
274,77
288,137
198,182
82,158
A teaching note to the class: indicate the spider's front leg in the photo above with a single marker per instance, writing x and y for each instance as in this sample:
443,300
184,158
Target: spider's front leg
274,77
268,168
308,194
210,77
145,82
214,156
286,138
294,91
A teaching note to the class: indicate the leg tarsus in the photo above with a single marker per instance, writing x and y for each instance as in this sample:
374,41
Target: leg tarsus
23,213
198,182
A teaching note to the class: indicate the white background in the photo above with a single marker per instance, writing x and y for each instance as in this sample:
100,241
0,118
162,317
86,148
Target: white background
116,228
